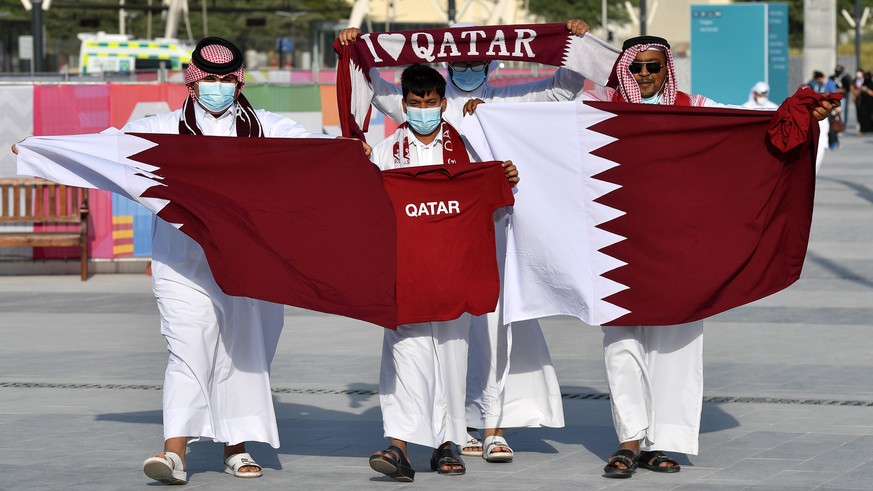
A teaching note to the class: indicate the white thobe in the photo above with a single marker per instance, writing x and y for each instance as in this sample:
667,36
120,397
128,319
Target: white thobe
493,388
217,383
655,373
824,127
530,396
655,376
424,365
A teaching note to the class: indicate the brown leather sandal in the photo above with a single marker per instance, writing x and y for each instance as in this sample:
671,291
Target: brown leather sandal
393,465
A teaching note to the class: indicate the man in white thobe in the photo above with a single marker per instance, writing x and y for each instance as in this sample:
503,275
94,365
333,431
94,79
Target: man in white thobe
217,382
655,373
759,97
423,373
532,395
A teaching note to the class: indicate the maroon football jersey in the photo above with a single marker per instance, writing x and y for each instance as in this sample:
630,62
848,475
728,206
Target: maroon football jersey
446,257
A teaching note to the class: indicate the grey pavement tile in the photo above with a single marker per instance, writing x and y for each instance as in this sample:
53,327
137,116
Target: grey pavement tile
710,439
761,440
806,447
843,380
539,446
712,486
752,470
763,416
840,459
750,371
715,419
863,444
77,303
856,478
730,383
584,411
100,368
582,463
777,487
810,420
863,484
823,315
646,479
809,286
846,429
820,423
719,457
798,479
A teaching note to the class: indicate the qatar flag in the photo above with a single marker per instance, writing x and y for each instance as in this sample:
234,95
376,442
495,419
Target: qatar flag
631,214
304,222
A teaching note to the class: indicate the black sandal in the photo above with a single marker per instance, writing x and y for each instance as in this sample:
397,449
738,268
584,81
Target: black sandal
621,456
447,457
652,461
393,465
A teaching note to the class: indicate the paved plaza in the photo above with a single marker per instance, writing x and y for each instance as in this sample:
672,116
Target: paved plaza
788,395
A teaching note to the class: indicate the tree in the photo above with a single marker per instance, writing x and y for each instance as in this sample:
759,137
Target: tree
252,24
589,10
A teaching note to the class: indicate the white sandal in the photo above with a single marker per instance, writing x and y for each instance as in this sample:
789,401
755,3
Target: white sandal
472,442
167,469
490,453
235,462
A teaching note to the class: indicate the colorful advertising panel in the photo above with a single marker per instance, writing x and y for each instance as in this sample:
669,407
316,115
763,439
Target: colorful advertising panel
69,110
131,222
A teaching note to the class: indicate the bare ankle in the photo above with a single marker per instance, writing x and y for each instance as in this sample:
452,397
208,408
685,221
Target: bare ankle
234,449
633,446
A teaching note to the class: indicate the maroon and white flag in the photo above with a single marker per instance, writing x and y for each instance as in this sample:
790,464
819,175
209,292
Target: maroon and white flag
632,214
550,44
303,222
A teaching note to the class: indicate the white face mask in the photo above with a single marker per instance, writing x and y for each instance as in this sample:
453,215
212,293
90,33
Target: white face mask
761,99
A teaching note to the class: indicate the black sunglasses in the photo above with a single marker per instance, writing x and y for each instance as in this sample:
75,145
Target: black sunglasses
651,66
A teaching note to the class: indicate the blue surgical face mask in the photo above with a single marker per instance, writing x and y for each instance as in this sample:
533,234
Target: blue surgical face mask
423,120
468,80
216,96
655,99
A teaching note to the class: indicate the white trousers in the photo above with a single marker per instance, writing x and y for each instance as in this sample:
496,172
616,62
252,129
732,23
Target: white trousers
655,376
824,127
217,383
422,382
523,394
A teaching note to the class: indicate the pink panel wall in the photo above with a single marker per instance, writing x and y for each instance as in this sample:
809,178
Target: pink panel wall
125,97
68,110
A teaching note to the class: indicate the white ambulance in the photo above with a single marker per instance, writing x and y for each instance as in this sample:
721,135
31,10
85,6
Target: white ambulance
101,52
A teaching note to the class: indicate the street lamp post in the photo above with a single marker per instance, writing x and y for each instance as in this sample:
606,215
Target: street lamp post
603,13
643,20
36,22
857,35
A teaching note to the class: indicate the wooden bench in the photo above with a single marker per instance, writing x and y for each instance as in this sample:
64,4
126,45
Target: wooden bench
42,202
